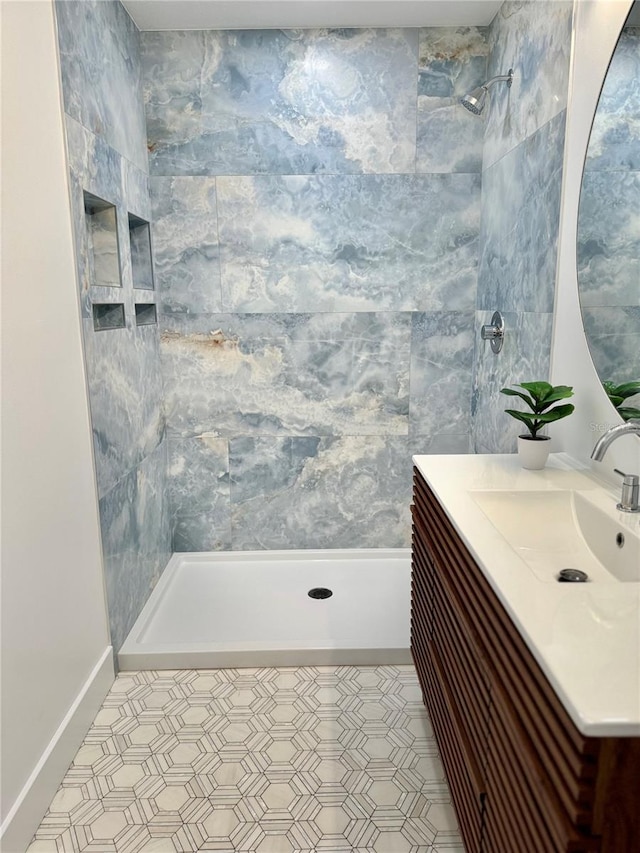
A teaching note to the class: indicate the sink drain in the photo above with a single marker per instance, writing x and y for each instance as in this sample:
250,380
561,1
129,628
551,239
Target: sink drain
572,576
320,592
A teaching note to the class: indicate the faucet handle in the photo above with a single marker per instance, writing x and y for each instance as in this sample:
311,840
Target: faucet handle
629,479
629,501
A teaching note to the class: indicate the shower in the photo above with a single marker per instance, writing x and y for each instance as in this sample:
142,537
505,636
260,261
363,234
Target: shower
476,99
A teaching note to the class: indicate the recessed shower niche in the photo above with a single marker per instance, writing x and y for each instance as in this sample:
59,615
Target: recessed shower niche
102,235
145,314
140,241
108,316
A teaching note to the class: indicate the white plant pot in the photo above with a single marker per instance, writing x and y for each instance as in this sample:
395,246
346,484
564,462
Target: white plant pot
533,452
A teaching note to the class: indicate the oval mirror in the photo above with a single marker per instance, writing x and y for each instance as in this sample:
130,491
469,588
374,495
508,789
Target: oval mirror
609,227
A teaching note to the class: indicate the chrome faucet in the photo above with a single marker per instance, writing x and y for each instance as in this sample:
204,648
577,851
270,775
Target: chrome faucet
629,501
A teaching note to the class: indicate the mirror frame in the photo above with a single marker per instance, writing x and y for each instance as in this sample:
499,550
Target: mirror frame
596,28
587,282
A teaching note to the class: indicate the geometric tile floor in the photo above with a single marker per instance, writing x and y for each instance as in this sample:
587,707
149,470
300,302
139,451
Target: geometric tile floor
269,760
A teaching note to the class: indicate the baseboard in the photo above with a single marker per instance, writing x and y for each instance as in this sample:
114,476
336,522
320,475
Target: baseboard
26,813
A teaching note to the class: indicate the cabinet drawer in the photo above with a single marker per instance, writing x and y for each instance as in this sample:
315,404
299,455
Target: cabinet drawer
467,788
467,679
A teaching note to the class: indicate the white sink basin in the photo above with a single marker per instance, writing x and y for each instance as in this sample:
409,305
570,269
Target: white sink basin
566,529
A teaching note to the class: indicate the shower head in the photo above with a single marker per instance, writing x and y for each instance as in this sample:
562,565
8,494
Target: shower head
476,99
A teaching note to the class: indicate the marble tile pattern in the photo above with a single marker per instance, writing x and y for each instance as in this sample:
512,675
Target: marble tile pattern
609,239
141,261
614,144
198,492
441,371
525,357
126,397
185,242
522,177
280,102
103,255
288,760
123,368
348,243
534,38
102,74
287,374
136,540
295,231
106,142
520,222
452,61
613,334
314,492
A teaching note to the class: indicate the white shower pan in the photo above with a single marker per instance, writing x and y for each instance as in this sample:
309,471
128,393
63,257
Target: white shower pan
252,608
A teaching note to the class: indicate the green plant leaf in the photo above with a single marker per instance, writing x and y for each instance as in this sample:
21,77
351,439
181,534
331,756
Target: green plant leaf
510,393
542,396
538,390
615,400
628,413
559,392
556,414
527,418
627,389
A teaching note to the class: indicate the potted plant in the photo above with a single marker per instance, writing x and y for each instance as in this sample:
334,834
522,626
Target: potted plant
533,449
619,394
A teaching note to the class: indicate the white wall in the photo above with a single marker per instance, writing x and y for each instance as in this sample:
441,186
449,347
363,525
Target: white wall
56,662
597,24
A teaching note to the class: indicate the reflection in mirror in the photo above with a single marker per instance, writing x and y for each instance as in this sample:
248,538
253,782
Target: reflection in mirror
609,227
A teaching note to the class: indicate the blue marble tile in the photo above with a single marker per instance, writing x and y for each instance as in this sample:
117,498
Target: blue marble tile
525,357
520,222
97,168
452,61
185,241
135,189
614,143
320,492
286,374
441,365
136,542
349,243
534,38
280,102
101,73
613,334
443,444
609,239
198,490
125,395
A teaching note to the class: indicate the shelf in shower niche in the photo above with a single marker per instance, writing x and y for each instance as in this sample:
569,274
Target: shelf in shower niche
252,608
103,248
141,262
146,314
108,315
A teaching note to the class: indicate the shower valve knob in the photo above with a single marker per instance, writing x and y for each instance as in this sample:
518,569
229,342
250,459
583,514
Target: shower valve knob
494,332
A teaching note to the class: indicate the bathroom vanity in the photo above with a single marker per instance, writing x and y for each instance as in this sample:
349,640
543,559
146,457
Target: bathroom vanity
533,686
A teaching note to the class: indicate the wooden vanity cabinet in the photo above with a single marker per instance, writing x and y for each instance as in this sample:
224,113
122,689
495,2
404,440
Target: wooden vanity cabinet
523,778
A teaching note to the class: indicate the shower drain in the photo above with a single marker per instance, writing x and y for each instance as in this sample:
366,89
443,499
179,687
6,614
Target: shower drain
320,592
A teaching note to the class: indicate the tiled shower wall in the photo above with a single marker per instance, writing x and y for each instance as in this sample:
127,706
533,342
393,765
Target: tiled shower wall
316,206
106,139
608,251
521,184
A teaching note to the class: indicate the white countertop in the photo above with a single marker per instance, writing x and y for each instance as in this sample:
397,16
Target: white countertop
586,637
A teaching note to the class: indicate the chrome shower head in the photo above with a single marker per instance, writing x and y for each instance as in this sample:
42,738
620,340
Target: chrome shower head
476,99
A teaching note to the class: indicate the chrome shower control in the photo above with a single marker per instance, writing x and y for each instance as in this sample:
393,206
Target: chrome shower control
494,332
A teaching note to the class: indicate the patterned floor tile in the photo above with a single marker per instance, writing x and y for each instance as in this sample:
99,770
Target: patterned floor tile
289,760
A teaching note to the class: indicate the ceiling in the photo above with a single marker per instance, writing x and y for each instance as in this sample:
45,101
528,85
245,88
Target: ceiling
288,14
